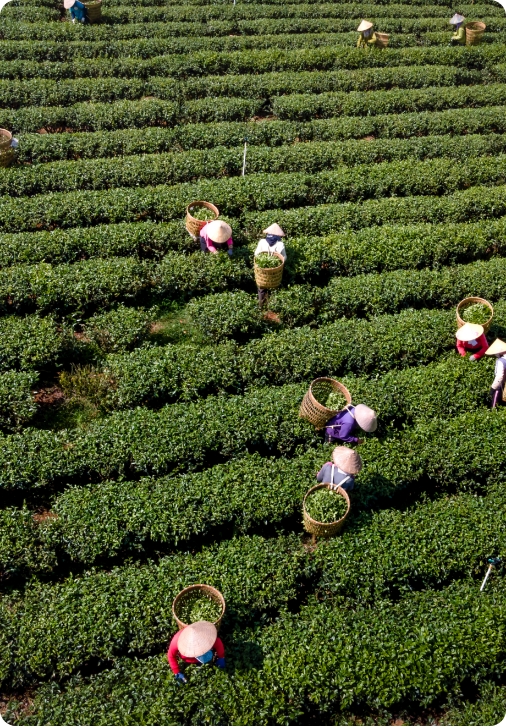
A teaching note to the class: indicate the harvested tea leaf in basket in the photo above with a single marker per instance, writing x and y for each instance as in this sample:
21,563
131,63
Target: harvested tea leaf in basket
196,606
477,313
326,506
266,260
335,400
201,213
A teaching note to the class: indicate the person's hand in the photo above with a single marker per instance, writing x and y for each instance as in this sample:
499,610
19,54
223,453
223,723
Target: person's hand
472,358
180,677
220,663
215,252
73,20
360,441
230,252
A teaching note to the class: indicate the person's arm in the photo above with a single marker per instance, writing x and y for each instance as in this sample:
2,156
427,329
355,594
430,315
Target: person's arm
461,348
359,41
259,248
461,34
500,375
482,340
230,243
319,476
219,648
372,40
172,654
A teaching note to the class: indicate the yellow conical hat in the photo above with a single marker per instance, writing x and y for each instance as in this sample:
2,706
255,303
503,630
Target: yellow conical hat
364,25
498,347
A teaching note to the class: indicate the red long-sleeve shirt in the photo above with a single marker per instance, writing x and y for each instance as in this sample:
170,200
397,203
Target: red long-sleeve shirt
478,350
173,653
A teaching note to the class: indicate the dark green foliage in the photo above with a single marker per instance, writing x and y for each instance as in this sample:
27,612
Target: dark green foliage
30,343
17,406
121,329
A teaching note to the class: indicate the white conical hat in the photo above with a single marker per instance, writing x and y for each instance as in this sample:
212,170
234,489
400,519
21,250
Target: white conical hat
196,639
364,25
498,347
67,4
274,229
348,460
366,418
457,19
469,332
218,231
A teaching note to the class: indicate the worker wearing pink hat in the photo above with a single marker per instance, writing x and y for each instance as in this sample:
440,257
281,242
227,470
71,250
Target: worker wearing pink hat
77,9
215,236
197,643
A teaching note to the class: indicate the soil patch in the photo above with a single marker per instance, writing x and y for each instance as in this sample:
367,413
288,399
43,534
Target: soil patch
50,396
42,515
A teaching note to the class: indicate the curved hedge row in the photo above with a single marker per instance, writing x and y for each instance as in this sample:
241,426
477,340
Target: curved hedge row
39,148
30,344
235,196
430,623
178,167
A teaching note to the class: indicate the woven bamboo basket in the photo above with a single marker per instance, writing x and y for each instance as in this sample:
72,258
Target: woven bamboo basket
312,410
474,32
5,139
269,278
6,156
209,591
94,10
470,301
382,40
324,530
194,226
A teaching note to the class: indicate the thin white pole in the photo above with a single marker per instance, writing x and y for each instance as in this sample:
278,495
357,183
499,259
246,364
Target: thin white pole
486,577
244,160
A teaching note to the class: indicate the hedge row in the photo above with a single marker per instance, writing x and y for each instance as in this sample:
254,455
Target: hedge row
332,33
181,436
237,196
174,168
150,112
31,343
287,655
40,148
16,402
100,615
119,518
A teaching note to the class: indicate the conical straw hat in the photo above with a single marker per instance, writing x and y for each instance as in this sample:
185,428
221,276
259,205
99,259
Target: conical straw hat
67,4
274,229
366,418
347,460
196,639
457,19
497,347
364,25
469,332
219,231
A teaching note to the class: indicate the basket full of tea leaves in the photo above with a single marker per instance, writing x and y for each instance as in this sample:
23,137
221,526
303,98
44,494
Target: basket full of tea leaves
324,398
475,310
198,603
325,510
268,268
199,214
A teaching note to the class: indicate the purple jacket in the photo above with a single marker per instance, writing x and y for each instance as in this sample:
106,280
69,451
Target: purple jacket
342,425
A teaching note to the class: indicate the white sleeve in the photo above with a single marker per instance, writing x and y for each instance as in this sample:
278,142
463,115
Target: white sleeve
260,247
500,373
282,250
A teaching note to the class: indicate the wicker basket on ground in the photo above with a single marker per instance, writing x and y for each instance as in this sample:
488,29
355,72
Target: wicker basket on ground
311,408
474,32
212,593
324,530
471,301
7,156
382,40
193,225
5,139
269,278
94,10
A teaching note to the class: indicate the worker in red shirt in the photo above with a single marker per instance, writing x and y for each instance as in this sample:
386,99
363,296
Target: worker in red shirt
471,338
197,643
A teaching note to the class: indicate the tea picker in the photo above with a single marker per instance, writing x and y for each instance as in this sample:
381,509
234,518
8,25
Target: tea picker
197,643
493,563
498,349
346,463
459,35
216,236
77,11
340,427
367,37
471,338
272,242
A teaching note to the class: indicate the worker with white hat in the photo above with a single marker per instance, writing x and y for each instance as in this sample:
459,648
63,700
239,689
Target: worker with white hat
498,349
471,338
367,37
459,35
77,10
272,242
216,236
197,643
346,463
342,426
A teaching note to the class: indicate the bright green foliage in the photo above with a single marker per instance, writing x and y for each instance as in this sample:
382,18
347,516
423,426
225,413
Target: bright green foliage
476,313
326,506
196,606
30,343
17,406
120,329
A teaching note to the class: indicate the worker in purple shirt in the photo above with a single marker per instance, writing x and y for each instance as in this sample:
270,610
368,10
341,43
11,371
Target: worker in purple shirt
347,421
